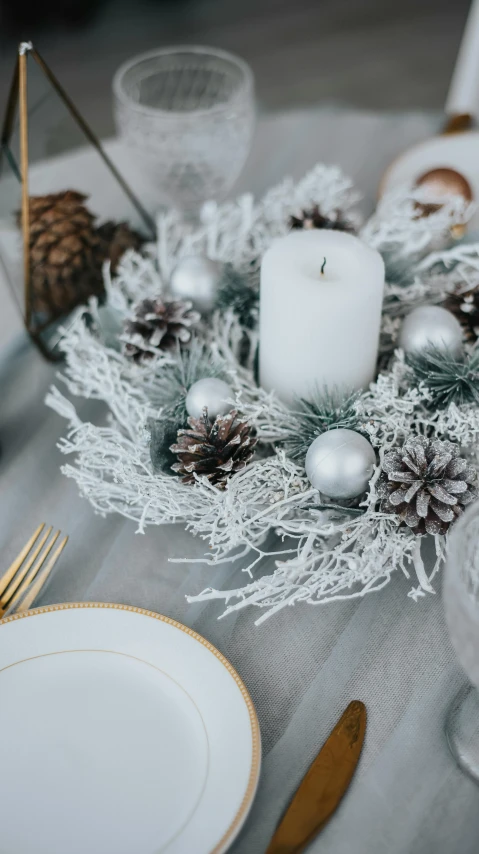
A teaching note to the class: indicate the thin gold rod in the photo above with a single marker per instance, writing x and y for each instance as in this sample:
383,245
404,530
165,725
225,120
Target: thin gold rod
22,69
147,219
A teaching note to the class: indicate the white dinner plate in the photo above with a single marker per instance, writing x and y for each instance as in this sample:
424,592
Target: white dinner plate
459,151
122,732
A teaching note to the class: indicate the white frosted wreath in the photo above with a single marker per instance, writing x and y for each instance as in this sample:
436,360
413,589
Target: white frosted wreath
325,552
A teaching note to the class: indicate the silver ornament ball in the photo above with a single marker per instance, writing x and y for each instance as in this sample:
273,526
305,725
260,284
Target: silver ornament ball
431,326
197,278
340,464
210,393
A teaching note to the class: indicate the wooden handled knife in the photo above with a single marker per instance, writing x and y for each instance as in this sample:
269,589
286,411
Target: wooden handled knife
324,784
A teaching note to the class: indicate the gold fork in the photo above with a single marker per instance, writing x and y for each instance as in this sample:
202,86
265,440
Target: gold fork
26,576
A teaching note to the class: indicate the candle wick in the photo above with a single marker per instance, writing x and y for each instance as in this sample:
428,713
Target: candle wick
323,266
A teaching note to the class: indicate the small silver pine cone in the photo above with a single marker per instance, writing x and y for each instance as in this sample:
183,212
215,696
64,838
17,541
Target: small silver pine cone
158,325
466,308
313,218
216,450
427,484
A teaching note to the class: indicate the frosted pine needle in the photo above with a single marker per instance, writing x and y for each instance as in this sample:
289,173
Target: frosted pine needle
171,382
239,292
327,411
447,378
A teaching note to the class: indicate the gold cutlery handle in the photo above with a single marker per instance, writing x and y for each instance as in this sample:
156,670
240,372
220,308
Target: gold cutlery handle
323,785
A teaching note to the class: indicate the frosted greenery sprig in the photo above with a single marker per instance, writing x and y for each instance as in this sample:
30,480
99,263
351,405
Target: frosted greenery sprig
163,434
239,292
168,390
328,410
172,381
448,379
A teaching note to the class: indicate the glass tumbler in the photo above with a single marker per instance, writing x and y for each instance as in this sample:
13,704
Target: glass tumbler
461,602
188,114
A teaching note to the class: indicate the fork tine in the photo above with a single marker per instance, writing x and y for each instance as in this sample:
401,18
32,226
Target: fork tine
14,567
33,572
17,580
42,578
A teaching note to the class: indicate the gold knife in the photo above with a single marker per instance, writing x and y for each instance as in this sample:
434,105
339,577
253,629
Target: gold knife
324,784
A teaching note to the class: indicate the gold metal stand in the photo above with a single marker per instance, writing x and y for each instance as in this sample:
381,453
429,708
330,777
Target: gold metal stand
18,98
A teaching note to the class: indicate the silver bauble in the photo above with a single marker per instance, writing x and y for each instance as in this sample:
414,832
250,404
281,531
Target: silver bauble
211,393
431,326
340,464
197,278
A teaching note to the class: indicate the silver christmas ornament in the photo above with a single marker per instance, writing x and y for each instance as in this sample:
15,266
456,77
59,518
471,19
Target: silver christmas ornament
431,325
197,278
340,464
211,393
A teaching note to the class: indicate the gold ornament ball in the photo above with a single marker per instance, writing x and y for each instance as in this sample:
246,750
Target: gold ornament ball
445,182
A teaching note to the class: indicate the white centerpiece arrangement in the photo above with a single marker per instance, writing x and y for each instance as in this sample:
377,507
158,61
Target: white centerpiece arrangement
280,367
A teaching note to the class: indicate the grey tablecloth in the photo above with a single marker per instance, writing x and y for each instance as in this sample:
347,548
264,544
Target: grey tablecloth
303,667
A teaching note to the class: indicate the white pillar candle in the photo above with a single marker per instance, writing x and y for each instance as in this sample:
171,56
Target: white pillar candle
320,313
463,96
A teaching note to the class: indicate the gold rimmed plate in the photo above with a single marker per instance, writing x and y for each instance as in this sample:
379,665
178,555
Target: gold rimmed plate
123,732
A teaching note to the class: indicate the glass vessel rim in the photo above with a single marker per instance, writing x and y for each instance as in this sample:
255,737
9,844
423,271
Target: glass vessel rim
245,88
457,544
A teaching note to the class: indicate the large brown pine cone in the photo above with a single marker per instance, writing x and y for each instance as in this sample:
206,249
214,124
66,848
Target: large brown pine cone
158,325
427,484
117,237
215,451
66,253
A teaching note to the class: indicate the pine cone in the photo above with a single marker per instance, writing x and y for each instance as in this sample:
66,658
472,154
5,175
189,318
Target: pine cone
158,325
215,450
425,209
313,218
117,237
427,484
66,253
465,306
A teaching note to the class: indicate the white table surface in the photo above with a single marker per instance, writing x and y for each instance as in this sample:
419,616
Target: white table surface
303,667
